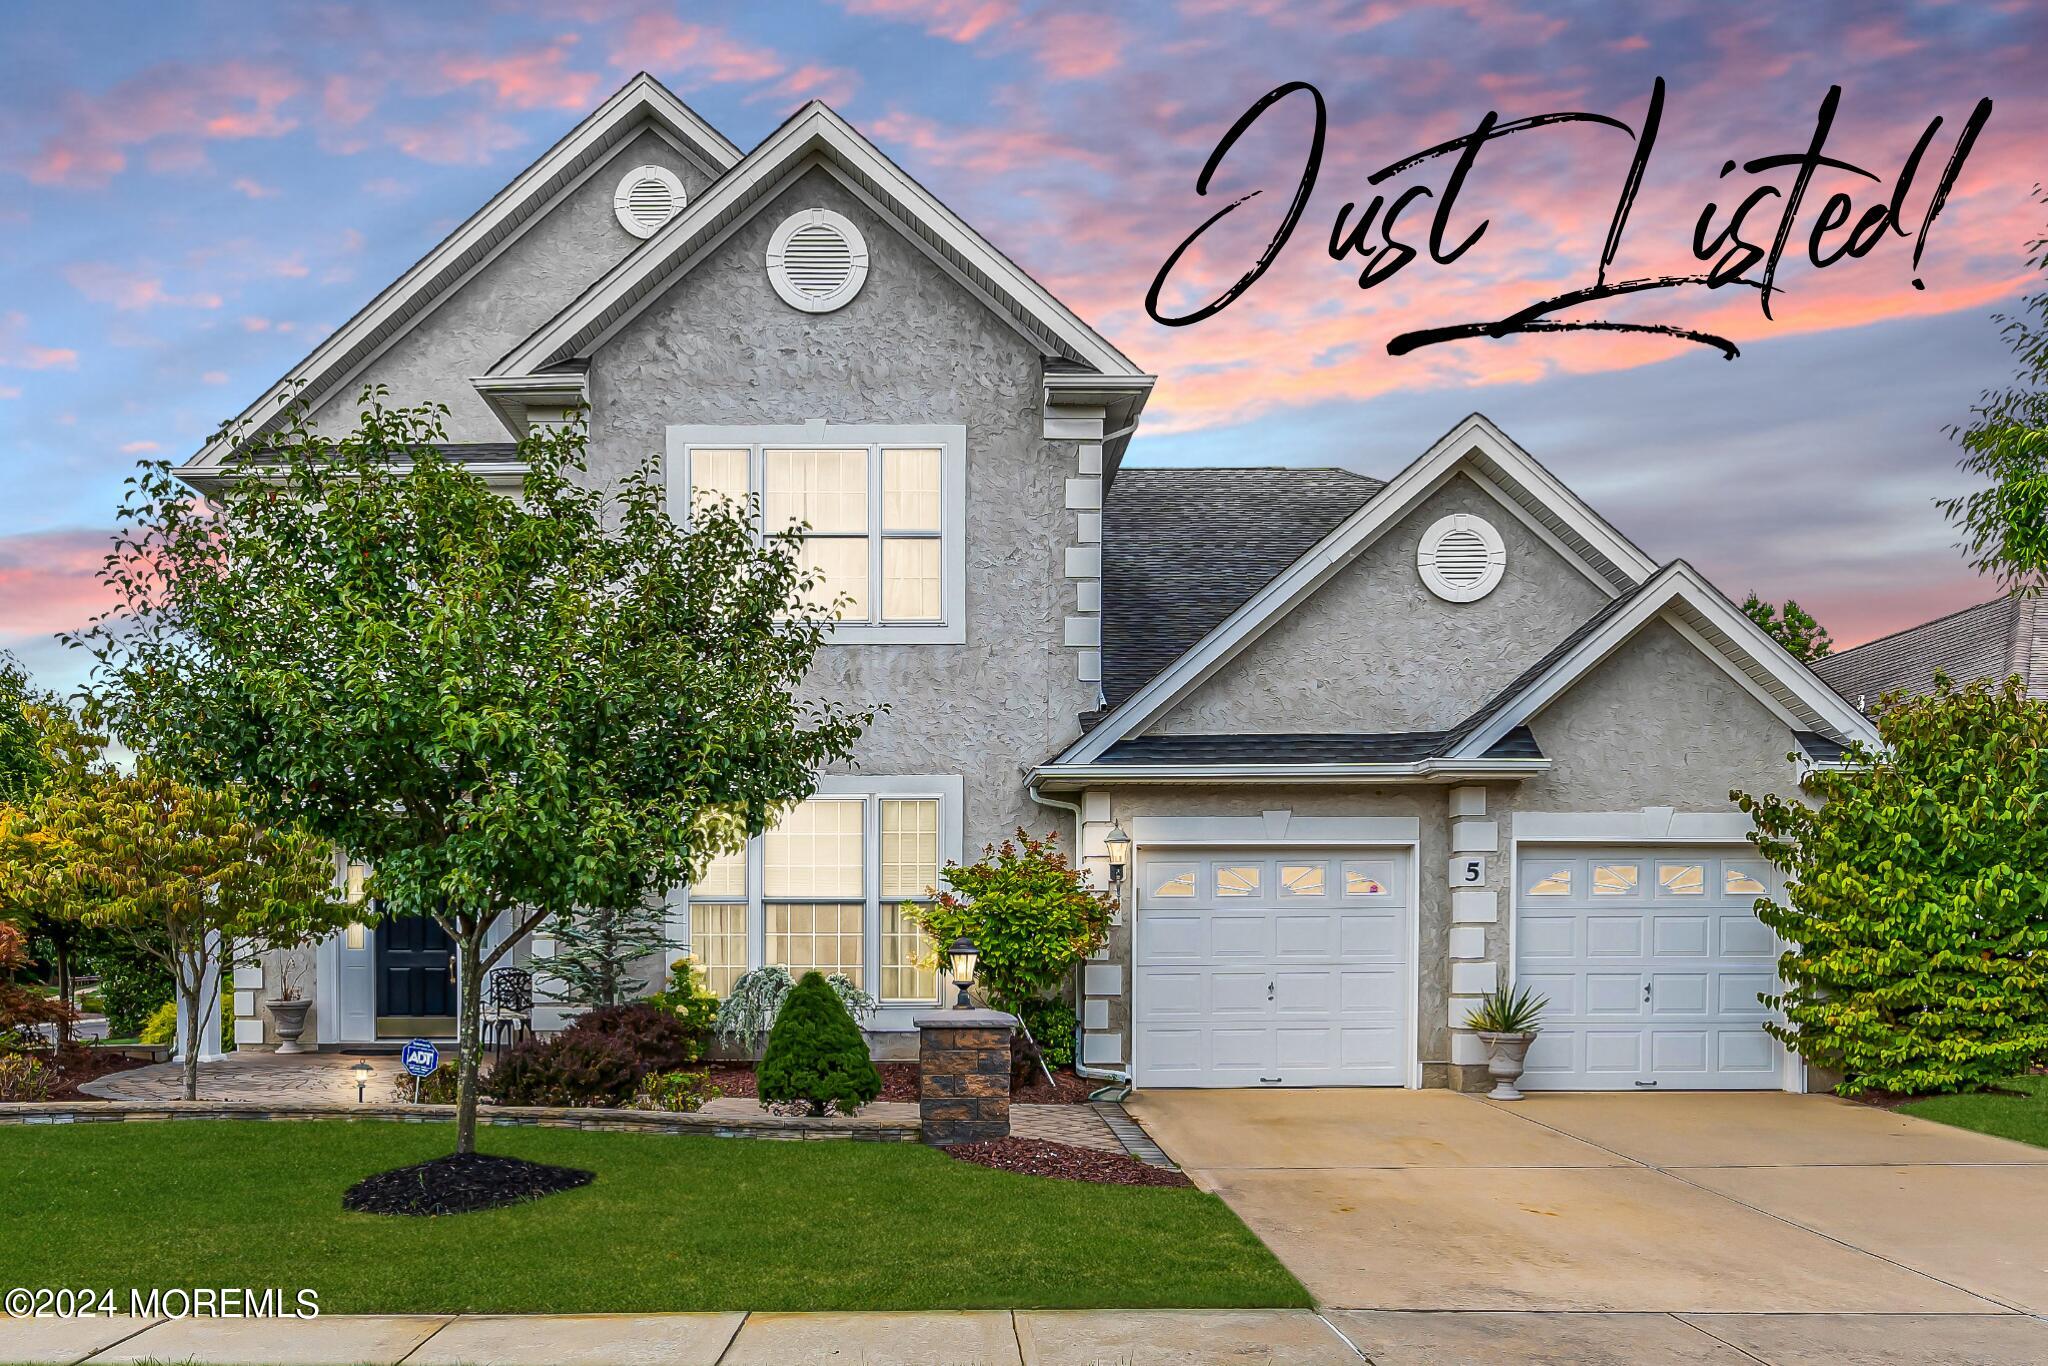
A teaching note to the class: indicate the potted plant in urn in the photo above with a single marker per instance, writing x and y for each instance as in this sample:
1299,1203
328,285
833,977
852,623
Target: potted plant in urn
288,1008
1508,1023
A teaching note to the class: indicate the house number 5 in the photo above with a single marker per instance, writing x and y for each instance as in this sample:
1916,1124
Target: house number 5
1468,870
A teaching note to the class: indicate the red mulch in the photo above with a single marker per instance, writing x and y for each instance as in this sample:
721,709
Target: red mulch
1065,1162
899,1082
77,1063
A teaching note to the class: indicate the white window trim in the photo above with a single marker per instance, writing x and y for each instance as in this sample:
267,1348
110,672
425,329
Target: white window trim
949,439
948,790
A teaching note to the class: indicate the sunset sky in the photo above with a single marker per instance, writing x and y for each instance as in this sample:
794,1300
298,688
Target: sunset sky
192,195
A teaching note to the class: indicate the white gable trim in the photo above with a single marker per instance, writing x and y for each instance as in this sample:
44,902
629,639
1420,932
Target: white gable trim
635,282
1722,632
1531,492
642,104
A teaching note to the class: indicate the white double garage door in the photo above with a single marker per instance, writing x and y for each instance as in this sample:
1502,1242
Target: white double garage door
1256,967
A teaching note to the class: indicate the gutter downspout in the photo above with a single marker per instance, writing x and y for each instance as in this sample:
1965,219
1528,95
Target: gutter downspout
1121,1080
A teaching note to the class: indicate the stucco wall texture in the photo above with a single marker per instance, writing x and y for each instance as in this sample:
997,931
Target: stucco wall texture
1375,650
528,282
913,346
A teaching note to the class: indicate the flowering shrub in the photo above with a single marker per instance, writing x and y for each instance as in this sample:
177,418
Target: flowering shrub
682,1090
24,1077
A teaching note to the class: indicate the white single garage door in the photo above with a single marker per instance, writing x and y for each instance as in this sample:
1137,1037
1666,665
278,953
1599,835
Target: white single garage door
1653,960
1257,967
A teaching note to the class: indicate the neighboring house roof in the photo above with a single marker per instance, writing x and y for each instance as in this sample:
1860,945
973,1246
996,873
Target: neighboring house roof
1992,640
640,104
1183,548
815,135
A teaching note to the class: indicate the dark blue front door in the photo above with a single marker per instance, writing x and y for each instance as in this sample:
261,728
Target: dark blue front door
415,968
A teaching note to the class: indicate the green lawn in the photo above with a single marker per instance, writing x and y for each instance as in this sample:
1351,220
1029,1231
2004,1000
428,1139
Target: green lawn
2023,1117
670,1223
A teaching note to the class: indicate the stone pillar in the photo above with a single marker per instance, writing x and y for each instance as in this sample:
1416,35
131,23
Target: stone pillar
963,1075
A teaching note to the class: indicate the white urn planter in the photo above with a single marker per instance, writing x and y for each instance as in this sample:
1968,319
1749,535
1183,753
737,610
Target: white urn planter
288,1018
1506,1055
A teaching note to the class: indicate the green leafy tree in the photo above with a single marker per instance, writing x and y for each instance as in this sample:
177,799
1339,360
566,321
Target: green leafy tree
23,773
511,708
1792,627
816,1058
2004,525
171,864
1917,896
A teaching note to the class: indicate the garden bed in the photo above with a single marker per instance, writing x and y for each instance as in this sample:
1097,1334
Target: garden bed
899,1082
1065,1162
76,1064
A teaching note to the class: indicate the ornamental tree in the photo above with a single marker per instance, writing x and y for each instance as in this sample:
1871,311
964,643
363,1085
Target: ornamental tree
169,864
511,708
1031,914
23,772
1917,896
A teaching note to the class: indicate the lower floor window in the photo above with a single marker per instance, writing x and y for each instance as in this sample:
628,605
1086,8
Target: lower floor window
718,943
910,969
813,937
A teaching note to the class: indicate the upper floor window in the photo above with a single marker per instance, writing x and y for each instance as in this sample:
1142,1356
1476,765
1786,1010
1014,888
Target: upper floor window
881,509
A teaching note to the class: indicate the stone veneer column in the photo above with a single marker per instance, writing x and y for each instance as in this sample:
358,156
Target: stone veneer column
963,1075
1473,971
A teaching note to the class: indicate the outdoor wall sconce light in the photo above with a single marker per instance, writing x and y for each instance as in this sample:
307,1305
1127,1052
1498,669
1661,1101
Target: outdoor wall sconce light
362,1072
1118,844
964,956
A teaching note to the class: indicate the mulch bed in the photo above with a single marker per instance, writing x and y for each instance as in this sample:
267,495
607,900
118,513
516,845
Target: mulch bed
459,1184
1065,1162
899,1082
77,1064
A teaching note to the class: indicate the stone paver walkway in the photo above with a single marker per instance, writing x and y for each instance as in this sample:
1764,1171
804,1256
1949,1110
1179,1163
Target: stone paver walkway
325,1078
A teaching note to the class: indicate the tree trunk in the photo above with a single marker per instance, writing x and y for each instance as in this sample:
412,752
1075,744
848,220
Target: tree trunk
188,998
469,1033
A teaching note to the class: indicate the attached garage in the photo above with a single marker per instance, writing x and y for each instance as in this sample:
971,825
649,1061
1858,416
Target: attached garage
1273,967
1653,960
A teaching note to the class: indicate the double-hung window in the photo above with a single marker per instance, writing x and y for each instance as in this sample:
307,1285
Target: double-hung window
881,511
831,887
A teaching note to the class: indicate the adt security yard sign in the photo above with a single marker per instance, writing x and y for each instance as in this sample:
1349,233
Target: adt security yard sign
421,1058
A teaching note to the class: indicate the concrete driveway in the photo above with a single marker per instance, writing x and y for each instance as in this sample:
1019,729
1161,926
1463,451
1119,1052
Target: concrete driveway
1680,1227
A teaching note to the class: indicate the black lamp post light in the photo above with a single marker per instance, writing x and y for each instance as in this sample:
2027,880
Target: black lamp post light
964,956
362,1072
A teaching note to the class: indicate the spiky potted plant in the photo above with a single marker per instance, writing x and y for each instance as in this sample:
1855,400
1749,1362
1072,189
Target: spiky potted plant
1508,1022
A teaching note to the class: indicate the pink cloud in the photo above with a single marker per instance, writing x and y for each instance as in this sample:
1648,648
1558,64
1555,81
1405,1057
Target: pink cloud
174,102
812,81
214,377
958,21
9,391
130,290
253,188
538,78
664,41
470,138
18,352
139,447
49,581
1075,47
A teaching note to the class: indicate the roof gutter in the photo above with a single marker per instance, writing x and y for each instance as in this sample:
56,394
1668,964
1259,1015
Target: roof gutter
1066,777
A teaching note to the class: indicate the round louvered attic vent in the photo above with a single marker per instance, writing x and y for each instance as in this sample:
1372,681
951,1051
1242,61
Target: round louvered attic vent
817,260
647,198
1461,558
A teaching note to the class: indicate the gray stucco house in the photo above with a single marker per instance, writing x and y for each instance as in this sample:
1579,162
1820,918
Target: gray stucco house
1379,746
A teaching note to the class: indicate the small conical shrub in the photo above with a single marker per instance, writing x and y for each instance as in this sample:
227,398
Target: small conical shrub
816,1055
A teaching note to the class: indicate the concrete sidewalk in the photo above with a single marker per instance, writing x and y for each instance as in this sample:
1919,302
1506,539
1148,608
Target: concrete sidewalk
1064,1338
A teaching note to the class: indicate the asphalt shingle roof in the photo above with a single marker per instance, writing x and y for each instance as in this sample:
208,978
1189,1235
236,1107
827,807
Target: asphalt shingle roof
1183,548
1991,640
1394,747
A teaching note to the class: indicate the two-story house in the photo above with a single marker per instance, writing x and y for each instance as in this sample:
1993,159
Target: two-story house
1376,747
